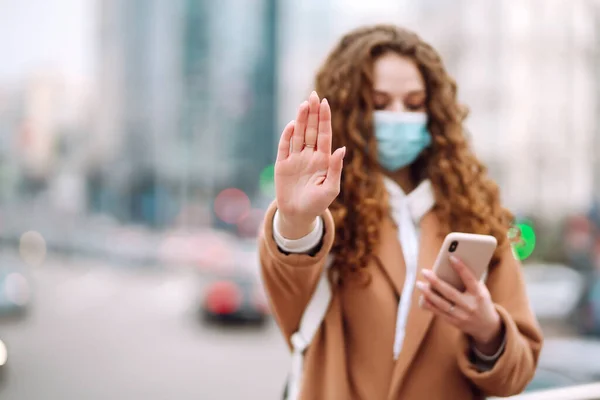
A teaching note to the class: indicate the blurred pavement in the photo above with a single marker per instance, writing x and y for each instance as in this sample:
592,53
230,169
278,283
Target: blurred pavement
102,333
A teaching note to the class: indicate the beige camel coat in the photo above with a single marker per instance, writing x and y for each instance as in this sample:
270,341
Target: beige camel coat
351,357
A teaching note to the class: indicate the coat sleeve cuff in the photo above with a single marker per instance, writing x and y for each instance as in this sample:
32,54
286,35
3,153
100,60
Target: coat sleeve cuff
496,365
303,245
485,362
297,259
489,358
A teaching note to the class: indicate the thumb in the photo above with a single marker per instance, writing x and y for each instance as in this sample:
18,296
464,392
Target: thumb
334,172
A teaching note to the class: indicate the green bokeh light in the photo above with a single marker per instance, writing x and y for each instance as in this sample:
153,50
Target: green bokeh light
267,181
523,239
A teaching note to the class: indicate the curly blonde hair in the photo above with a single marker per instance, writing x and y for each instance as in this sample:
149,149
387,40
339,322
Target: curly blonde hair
466,199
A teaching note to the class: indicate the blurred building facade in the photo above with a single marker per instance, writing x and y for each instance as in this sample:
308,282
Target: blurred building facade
528,71
42,121
310,29
191,96
137,101
185,91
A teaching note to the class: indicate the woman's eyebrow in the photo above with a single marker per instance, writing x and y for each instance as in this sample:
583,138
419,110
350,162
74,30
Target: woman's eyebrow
379,91
416,92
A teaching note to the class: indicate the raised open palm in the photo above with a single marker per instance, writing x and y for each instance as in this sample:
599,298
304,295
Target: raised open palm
307,175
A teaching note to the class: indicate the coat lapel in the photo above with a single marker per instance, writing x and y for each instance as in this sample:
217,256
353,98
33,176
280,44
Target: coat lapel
390,257
418,319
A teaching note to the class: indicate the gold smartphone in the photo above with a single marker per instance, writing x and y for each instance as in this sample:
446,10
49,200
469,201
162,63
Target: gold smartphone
474,250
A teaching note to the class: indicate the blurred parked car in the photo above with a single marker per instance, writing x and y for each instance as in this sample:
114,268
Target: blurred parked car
237,297
133,245
567,362
546,379
554,290
15,292
587,314
207,249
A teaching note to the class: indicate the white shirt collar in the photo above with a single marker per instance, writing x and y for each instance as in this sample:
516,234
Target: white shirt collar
419,201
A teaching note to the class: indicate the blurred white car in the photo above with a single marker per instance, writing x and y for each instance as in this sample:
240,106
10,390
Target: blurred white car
209,250
15,292
565,367
553,289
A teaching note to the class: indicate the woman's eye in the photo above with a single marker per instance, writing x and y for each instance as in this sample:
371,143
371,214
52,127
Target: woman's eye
380,100
415,107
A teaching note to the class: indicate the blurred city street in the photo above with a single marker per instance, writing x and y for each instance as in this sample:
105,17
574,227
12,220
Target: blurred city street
96,332
137,149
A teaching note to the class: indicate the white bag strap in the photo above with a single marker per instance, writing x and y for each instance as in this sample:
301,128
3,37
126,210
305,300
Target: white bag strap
309,324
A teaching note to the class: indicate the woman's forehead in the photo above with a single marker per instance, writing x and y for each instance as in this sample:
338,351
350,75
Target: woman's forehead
395,73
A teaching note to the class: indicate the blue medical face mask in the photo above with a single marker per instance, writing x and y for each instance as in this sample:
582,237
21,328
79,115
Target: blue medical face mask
401,137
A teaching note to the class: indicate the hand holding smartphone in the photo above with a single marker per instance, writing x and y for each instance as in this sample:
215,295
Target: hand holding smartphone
474,250
453,290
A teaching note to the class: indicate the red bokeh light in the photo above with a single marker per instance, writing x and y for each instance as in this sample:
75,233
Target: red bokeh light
223,298
250,224
231,205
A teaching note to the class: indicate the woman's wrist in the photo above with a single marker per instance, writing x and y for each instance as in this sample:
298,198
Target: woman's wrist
292,229
490,341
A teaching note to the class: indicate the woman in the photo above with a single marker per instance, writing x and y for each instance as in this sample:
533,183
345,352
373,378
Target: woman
391,329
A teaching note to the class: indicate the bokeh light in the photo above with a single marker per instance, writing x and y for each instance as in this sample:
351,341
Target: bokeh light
523,239
249,226
267,181
231,205
218,257
32,248
3,353
17,289
206,250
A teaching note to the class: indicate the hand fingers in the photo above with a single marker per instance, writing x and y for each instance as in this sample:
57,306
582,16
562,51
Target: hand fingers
471,283
444,289
283,150
438,301
324,131
312,126
300,128
449,318
430,296
334,172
